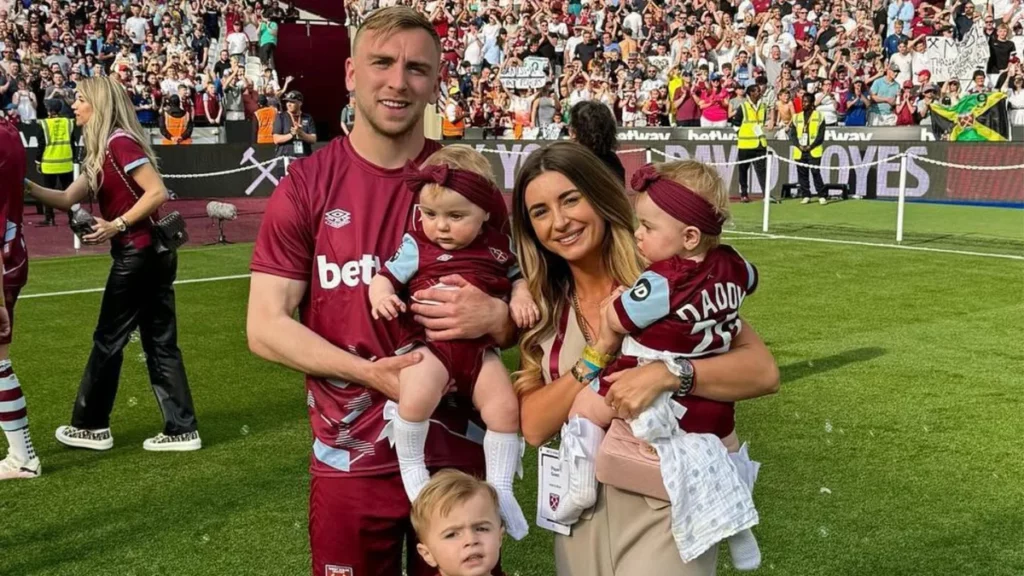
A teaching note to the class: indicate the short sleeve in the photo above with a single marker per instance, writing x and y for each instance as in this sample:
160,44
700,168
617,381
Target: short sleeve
286,240
648,301
406,261
128,153
279,124
752,277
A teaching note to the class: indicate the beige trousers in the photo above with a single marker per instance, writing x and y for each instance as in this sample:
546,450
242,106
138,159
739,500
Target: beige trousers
626,534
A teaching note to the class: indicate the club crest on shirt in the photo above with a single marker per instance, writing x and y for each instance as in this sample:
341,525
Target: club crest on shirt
332,570
337,218
499,255
444,257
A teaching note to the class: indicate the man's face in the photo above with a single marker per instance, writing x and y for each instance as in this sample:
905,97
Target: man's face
393,79
467,541
904,49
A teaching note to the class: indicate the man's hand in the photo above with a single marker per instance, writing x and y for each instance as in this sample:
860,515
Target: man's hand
461,314
382,375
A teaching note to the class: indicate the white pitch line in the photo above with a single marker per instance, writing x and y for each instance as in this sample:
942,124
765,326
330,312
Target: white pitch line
878,245
94,290
749,238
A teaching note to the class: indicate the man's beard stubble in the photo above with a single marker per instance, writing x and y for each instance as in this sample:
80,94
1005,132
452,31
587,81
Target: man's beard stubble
371,121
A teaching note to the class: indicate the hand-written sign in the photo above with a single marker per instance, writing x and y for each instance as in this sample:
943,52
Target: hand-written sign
948,59
532,74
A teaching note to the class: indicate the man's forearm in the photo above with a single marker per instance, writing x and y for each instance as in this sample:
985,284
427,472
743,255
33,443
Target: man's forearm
287,342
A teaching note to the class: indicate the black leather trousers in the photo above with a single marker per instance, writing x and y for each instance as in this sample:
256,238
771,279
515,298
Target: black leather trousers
139,293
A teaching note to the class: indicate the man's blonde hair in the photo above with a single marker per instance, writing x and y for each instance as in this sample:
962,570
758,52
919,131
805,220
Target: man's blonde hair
387,21
446,490
705,181
461,157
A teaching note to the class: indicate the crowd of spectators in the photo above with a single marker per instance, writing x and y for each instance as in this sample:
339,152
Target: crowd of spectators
193,49
686,62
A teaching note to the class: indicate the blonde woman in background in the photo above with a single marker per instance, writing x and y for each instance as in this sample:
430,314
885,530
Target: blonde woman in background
120,171
573,229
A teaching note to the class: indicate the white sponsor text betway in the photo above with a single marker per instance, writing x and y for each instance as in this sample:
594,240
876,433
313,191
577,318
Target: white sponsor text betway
730,136
350,273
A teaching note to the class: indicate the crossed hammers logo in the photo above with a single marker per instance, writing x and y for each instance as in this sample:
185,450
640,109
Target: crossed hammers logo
265,171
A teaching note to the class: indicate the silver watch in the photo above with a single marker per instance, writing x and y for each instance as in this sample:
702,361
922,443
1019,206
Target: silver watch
681,368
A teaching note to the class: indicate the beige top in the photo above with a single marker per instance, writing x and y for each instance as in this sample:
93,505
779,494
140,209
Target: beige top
571,349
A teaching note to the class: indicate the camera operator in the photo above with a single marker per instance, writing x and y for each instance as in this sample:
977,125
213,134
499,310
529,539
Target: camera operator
120,168
294,132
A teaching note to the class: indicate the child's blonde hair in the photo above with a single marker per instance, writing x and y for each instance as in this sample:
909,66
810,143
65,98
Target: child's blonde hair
461,157
705,181
446,490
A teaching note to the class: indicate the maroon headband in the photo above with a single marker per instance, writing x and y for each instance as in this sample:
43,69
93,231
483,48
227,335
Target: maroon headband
677,200
472,186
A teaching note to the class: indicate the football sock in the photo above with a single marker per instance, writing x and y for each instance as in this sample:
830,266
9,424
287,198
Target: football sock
410,442
503,454
14,415
583,467
746,555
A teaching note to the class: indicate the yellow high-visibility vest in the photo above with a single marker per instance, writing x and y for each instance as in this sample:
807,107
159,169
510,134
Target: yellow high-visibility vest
751,132
813,126
57,156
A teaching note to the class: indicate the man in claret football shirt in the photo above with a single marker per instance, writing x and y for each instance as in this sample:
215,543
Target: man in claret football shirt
330,224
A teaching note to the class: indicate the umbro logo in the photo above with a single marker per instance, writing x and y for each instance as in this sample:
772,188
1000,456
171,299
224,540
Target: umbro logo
499,255
337,218
444,257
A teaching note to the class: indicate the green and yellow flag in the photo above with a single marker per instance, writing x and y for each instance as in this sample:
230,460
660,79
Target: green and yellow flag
975,118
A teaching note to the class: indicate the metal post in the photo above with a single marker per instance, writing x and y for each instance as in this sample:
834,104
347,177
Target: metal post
902,199
287,163
647,155
78,241
767,189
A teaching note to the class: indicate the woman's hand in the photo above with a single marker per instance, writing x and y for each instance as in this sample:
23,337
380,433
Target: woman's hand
102,231
633,390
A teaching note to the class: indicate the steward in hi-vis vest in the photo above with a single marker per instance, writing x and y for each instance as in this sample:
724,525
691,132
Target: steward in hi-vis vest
751,141
175,123
808,136
55,154
265,117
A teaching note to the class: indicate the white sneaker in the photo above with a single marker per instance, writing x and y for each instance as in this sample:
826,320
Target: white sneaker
179,443
822,201
806,200
82,438
12,468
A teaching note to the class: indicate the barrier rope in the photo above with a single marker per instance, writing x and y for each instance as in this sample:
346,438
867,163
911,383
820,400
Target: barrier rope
966,167
669,157
222,172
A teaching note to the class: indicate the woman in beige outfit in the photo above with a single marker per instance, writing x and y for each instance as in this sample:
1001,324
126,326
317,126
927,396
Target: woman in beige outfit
573,228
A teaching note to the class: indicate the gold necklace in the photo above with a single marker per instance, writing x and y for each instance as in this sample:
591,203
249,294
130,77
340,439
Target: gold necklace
581,319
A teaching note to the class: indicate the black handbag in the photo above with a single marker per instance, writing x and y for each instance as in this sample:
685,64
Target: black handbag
169,232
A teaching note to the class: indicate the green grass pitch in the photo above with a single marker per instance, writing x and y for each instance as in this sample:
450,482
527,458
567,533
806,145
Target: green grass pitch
893,448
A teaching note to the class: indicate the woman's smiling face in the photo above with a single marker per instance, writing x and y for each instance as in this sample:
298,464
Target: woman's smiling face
562,218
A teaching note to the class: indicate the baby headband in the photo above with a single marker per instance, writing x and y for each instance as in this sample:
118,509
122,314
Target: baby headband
677,200
472,186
